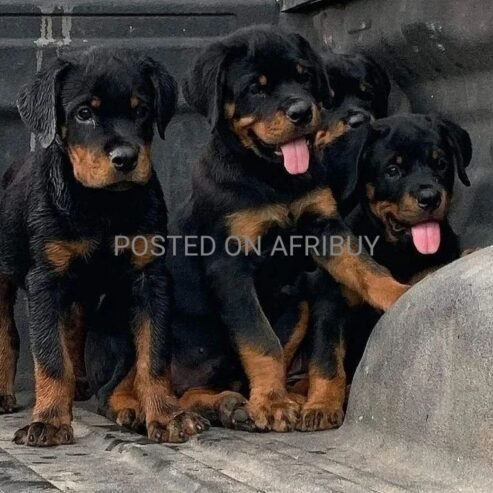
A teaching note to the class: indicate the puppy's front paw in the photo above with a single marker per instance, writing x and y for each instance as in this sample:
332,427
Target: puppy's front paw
233,412
274,413
387,293
317,417
39,434
130,418
178,429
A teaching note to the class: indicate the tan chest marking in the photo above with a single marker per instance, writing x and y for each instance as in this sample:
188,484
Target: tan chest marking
320,202
61,254
248,225
141,249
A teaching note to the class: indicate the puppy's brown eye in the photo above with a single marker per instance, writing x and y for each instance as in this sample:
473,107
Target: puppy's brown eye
393,171
142,111
83,114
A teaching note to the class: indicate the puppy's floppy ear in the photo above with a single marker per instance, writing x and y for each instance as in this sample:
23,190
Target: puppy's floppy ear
37,102
165,93
204,86
459,145
323,91
343,161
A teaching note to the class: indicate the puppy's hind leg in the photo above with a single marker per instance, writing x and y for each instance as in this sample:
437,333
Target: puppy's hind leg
227,408
9,346
123,406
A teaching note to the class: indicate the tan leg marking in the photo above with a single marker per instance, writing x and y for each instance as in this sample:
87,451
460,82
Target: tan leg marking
269,404
324,407
61,254
9,346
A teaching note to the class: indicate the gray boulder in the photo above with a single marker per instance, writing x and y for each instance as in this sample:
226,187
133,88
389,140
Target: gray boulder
425,384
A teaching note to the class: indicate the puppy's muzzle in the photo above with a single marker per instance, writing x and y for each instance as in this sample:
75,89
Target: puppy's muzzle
300,113
124,158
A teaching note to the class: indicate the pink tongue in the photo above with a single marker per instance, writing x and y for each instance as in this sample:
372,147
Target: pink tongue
426,237
296,156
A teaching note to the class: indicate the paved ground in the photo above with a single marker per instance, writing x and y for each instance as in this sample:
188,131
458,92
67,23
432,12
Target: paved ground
108,459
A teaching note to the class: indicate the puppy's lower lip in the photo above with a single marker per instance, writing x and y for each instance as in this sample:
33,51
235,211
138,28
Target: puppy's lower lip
395,225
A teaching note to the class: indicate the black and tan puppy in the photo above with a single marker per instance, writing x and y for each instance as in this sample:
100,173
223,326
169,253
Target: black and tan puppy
60,212
258,180
405,167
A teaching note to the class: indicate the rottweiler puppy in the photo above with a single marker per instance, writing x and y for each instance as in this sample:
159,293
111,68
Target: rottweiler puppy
61,209
405,167
360,86
258,182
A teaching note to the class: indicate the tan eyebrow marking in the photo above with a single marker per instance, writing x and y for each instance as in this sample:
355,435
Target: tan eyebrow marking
95,102
300,69
398,159
262,80
134,102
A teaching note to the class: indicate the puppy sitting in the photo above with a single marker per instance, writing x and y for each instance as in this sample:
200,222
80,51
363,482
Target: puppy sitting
404,174
60,212
258,180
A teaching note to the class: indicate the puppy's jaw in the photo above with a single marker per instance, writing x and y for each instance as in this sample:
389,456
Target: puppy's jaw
398,217
254,132
93,168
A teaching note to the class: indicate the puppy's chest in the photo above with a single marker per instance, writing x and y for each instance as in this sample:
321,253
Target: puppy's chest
106,255
264,222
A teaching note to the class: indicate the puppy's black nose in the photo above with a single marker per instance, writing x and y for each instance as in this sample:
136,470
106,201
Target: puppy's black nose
357,118
300,113
429,199
124,158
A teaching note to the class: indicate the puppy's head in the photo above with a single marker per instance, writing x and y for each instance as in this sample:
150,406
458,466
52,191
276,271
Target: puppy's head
100,107
361,88
265,88
407,167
